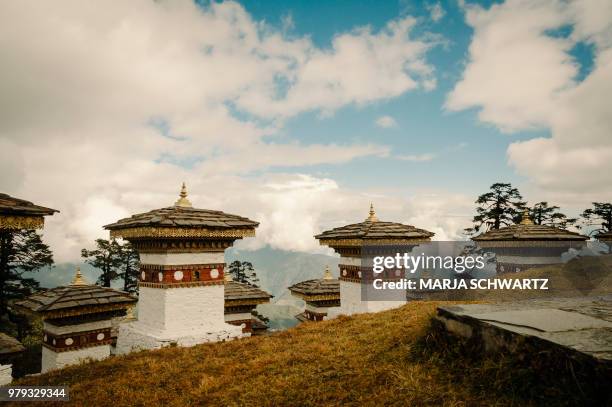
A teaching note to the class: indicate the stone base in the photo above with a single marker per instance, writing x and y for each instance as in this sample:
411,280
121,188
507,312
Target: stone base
6,374
56,360
135,336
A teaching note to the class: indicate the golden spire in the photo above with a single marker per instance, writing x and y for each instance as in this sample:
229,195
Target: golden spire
78,278
183,201
328,274
227,276
526,219
372,217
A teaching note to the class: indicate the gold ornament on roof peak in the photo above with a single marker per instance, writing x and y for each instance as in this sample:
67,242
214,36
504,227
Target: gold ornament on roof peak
78,279
526,220
227,276
183,201
328,274
372,217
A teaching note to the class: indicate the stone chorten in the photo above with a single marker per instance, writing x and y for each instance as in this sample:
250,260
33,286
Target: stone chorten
181,287
10,349
240,300
77,320
319,295
359,241
526,245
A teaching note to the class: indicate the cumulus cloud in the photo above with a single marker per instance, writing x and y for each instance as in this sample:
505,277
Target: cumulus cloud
436,12
103,111
521,75
386,122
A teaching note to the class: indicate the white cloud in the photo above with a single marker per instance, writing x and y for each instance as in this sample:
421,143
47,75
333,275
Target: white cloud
81,86
386,122
436,12
520,77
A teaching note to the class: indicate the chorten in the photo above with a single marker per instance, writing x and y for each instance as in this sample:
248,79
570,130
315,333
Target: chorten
240,301
357,243
526,245
76,320
320,296
181,286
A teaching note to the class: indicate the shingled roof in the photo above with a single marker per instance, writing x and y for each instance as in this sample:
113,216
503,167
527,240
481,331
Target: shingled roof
373,229
528,231
9,345
605,237
18,213
76,299
326,287
240,293
182,216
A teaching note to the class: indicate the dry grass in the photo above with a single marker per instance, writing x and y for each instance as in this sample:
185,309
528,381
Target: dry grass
389,358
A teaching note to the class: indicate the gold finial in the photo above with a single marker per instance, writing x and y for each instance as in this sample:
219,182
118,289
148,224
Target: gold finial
78,278
227,276
372,217
183,201
526,220
328,274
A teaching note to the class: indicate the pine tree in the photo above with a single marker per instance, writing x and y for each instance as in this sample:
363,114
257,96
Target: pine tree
502,206
20,251
107,258
543,214
243,272
130,261
599,217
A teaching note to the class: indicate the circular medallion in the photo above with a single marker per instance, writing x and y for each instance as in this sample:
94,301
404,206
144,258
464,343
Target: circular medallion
214,273
143,276
54,342
160,276
359,274
68,341
178,275
398,273
344,272
100,336
45,338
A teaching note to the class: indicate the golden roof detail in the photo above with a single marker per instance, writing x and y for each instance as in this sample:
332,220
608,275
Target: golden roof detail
372,217
526,220
78,279
328,274
183,201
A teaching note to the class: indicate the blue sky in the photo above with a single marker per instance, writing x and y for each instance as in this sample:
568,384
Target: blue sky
469,155
299,114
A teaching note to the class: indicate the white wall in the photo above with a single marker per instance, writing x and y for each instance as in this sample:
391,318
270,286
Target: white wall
6,372
56,360
182,258
181,311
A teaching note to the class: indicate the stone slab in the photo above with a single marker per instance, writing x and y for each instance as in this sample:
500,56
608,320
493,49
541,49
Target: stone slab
581,324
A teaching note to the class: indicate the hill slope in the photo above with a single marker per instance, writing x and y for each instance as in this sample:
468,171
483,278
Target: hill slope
387,358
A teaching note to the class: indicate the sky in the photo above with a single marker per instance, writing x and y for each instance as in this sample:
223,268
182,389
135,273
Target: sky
299,114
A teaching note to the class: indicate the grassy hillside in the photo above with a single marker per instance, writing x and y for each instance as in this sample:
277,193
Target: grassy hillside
389,358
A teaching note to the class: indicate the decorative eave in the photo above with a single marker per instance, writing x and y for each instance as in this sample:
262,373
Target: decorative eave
604,237
530,233
316,297
152,232
373,232
183,221
241,294
18,213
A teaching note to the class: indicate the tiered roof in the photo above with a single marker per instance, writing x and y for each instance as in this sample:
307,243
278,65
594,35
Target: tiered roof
326,288
605,236
528,231
78,298
373,231
9,346
183,221
18,213
237,294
